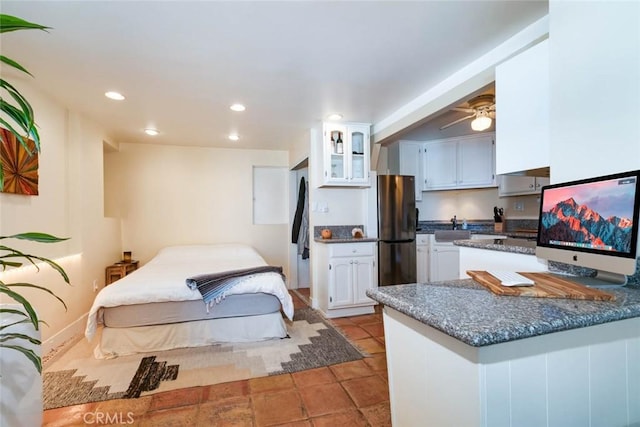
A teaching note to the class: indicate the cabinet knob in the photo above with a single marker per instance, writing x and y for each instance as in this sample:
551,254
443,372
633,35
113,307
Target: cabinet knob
355,262
530,185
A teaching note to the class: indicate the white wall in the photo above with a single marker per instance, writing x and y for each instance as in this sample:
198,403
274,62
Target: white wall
595,88
171,195
70,204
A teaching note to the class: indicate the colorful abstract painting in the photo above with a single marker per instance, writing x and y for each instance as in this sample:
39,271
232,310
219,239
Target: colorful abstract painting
19,166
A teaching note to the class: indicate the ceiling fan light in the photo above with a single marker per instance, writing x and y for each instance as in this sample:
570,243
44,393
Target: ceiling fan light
481,123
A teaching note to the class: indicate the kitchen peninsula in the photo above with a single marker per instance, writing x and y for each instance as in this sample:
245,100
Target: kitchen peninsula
459,355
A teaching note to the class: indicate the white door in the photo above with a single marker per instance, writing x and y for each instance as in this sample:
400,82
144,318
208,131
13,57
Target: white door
445,263
440,165
422,263
340,282
363,279
358,153
475,162
411,163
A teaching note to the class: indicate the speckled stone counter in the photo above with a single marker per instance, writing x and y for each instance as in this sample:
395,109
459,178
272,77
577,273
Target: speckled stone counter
517,246
340,234
468,312
522,229
345,240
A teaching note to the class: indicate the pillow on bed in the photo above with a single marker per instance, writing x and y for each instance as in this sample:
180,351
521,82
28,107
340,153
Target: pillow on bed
190,253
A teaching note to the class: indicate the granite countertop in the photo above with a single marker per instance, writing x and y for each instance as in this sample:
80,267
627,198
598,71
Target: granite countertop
345,240
470,313
518,246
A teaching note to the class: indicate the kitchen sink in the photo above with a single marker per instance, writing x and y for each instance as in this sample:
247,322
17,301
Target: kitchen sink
451,235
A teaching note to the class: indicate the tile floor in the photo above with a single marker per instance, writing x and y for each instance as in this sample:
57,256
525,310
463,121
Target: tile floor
348,394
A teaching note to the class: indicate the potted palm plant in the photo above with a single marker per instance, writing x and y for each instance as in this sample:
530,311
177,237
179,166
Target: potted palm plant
19,322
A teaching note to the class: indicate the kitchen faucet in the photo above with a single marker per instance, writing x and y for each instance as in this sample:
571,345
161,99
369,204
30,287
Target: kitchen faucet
454,221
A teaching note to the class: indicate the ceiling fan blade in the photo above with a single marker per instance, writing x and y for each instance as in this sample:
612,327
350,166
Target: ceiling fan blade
463,110
457,121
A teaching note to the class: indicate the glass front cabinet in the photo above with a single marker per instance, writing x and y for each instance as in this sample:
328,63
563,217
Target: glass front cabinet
346,154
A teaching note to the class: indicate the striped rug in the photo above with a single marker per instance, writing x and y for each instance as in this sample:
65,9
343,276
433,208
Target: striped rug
76,377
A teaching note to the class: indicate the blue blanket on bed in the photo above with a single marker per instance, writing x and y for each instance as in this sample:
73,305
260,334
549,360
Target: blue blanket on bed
213,286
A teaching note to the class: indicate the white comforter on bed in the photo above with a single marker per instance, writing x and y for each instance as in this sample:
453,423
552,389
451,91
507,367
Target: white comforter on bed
164,279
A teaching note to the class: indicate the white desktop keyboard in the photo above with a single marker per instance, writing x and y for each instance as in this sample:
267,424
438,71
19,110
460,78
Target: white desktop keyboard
510,278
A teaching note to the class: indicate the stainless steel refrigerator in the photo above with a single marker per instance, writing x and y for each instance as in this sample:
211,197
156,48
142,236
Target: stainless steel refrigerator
396,230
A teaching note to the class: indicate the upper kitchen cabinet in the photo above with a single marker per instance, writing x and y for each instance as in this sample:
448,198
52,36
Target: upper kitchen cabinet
522,111
346,154
520,185
463,162
411,163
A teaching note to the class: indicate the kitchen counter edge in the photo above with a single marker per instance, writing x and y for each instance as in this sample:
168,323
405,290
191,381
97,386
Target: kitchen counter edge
468,312
346,240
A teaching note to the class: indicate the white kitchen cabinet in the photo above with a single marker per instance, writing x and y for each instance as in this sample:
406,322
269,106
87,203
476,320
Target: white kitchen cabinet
463,162
422,258
348,270
519,185
411,163
444,262
522,111
346,149
441,164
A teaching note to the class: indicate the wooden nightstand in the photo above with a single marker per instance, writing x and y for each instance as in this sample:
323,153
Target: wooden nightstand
119,270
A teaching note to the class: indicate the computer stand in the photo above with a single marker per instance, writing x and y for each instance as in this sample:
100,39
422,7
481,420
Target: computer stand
602,280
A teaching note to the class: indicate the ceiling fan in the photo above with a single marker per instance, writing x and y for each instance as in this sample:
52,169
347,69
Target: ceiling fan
482,109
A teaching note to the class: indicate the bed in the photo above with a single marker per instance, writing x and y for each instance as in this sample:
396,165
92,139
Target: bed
153,309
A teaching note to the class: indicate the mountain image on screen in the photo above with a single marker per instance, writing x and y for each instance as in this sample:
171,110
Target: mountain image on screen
569,222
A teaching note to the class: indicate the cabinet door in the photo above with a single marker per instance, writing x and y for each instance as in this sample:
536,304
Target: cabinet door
422,263
358,154
522,99
517,185
445,263
335,154
411,163
364,278
347,152
476,162
340,282
441,165
541,182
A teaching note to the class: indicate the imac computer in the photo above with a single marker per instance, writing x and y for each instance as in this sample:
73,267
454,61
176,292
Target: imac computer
592,223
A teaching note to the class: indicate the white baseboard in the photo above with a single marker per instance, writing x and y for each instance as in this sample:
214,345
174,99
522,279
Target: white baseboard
66,337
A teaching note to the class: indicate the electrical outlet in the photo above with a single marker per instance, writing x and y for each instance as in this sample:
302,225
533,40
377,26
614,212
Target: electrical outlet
95,285
519,206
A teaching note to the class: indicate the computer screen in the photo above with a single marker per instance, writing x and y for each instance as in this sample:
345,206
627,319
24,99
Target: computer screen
592,223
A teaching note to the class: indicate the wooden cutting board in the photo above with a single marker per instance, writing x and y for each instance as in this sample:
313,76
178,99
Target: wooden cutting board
547,286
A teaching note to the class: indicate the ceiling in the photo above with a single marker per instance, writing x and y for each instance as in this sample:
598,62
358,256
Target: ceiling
181,64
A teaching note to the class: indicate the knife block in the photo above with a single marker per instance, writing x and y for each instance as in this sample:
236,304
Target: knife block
498,227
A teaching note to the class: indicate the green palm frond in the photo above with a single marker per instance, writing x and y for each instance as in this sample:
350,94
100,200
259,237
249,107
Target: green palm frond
13,23
17,118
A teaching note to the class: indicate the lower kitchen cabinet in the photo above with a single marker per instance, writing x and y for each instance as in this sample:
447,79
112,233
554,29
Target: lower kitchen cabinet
348,270
422,258
444,262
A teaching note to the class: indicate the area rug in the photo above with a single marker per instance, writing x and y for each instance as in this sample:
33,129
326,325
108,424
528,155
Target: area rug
76,377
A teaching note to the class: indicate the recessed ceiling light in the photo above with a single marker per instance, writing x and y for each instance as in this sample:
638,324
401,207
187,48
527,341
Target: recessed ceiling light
238,107
234,137
335,116
151,132
114,95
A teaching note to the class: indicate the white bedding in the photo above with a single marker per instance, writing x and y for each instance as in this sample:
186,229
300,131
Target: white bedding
163,279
